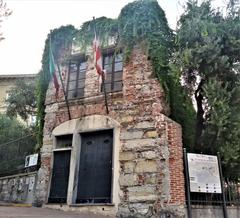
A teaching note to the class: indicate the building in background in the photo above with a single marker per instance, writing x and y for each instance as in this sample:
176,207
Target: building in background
7,82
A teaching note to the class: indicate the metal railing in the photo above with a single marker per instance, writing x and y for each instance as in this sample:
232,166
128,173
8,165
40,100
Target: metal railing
230,189
231,192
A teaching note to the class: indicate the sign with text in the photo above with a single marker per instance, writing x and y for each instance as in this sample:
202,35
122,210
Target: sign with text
204,173
31,160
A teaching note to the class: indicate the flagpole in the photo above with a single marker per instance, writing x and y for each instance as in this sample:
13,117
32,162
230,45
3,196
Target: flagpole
105,93
102,74
64,92
60,76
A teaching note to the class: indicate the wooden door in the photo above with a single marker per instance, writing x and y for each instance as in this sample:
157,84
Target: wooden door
95,169
60,175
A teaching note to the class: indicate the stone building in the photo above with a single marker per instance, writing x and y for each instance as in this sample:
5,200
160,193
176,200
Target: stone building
127,163
8,81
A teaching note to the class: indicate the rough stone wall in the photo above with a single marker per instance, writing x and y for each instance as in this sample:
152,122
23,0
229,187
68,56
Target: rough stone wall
18,188
151,166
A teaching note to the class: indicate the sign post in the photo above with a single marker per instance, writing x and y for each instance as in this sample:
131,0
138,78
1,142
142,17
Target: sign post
225,215
187,182
204,175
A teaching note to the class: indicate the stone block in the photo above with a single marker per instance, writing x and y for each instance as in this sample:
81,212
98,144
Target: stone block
142,189
145,125
129,167
149,154
128,180
141,208
145,166
151,179
131,135
142,198
146,90
126,119
140,144
142,193
151,134
125,156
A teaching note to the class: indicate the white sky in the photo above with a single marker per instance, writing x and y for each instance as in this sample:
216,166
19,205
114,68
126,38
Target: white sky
27,28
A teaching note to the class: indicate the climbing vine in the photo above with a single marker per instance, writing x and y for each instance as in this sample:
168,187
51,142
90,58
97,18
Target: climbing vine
104,27
61,39
141,23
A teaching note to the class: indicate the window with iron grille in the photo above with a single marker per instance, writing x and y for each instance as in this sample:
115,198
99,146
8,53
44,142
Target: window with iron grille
113,64
76,79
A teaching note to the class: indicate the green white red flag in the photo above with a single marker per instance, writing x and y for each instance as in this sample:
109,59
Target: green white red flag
52,69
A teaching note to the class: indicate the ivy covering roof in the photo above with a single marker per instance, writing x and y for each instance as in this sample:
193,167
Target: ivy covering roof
142,23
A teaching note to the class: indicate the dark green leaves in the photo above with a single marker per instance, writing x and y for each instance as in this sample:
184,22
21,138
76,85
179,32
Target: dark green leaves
208,53
22,100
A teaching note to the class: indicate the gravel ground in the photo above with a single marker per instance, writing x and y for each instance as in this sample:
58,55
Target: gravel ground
33,212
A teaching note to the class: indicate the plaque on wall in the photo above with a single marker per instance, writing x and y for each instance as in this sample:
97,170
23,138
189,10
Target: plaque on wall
31,160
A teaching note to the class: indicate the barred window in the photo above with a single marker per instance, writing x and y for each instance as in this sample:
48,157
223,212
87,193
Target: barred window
76,79
113,64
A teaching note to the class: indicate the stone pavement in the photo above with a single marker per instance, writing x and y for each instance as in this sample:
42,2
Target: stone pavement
33,212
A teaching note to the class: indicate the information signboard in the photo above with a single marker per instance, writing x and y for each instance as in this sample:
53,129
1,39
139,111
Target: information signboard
204,173
31,160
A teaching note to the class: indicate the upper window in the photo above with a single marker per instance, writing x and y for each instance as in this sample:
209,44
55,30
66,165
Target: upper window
76,79
113,64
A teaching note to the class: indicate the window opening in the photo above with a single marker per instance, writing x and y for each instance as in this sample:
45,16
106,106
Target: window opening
76,78
64,141
113,64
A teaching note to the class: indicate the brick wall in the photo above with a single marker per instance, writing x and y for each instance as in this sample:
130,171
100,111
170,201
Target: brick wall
151,166
176,163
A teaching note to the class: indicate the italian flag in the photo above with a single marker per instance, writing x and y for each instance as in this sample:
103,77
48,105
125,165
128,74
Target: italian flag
52,69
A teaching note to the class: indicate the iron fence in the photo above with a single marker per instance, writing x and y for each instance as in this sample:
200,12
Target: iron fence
230,188
231,192
13,154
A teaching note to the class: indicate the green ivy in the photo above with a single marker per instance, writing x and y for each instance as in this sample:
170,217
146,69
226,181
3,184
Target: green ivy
61,39
141,22
104,27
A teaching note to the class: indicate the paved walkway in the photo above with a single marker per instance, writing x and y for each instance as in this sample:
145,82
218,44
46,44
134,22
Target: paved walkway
33,212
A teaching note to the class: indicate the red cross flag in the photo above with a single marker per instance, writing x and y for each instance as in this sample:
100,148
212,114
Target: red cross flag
97,56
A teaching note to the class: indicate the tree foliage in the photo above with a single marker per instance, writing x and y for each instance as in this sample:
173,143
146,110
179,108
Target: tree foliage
16,141
4,12
208,49
11,129
182,110
22,100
